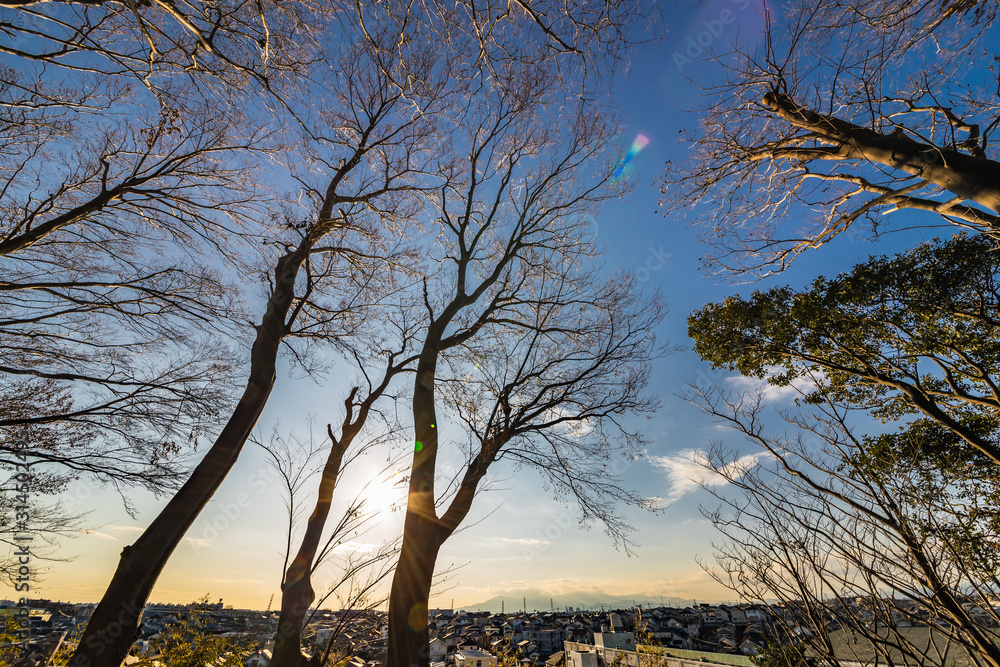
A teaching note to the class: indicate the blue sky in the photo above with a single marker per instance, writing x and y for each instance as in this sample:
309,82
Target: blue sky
520,537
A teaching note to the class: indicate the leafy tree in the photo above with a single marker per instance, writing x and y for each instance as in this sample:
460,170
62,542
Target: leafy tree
777,655
11,641
914,334
904,519
186,642
648,649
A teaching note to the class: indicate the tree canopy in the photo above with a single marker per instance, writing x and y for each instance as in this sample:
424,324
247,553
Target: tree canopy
911,334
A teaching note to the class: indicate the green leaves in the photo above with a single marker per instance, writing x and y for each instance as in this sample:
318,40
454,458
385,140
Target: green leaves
915,333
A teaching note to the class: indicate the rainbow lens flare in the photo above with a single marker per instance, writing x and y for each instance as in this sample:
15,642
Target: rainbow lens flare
638,144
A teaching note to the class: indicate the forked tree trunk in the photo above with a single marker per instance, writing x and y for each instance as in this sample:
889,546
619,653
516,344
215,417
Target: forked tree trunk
115,623
422,531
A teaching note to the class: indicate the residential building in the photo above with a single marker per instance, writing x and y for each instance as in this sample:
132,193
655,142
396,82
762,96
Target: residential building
474,658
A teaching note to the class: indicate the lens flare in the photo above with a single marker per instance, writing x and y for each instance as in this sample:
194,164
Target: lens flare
640,142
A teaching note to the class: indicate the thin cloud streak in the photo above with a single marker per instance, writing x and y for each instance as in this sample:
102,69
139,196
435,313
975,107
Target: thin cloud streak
686,471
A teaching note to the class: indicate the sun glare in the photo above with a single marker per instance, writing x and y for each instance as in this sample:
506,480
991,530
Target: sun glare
385,494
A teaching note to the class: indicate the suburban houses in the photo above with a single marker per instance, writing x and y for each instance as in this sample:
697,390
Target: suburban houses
705,633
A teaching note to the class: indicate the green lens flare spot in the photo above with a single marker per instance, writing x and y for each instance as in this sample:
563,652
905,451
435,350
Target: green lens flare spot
419,446
418,617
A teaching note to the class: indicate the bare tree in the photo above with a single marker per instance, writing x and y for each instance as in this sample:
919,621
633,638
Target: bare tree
297,592
226,48
514,286
334,260
107,310
904,25
114,312
221,47
876,123
122,208
81,252
370,175
888,539
546,388
584,41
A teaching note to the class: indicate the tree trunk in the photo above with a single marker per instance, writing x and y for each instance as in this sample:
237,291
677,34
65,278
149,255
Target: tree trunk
297,593
115,623
411,587
980,637
423,531
295,600
970,177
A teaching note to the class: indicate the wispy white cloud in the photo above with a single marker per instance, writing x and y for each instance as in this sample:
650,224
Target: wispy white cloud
98,534
353,546
517,541
685,471
772,392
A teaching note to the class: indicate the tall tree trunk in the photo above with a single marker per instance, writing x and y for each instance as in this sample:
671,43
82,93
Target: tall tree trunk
422,532
411,587
297,593
115,623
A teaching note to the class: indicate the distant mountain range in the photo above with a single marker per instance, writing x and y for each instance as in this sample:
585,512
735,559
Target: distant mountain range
536,600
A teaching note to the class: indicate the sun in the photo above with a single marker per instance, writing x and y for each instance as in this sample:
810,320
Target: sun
385,494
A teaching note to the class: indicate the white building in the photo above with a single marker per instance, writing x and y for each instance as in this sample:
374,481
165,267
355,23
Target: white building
618,640
581,659
438,650
474,658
